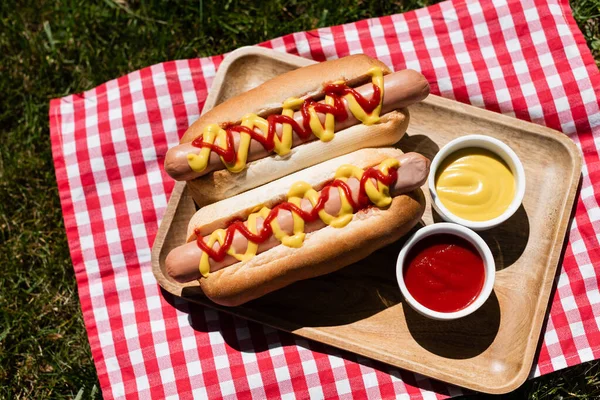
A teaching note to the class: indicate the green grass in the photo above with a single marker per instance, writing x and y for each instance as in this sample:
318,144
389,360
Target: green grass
54,48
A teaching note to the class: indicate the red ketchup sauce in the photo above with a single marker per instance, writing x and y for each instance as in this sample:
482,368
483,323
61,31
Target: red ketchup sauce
444,272
338,109
267,230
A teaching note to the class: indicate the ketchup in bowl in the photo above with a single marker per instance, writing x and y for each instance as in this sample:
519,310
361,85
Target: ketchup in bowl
444,272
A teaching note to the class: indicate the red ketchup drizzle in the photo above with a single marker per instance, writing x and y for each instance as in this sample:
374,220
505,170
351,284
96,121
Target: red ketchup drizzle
335,91
267,231
444,272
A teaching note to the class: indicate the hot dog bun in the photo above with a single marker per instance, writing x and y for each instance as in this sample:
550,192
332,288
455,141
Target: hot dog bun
323,251
406,87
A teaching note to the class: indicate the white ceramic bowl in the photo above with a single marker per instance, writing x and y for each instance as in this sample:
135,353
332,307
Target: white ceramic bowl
488,264
495,146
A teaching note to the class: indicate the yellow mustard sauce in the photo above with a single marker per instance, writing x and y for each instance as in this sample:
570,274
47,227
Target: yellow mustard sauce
214,134
378,195
475,184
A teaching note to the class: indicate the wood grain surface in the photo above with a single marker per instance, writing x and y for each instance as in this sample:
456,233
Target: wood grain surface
360,308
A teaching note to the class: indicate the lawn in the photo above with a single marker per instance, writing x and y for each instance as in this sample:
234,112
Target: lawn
54,48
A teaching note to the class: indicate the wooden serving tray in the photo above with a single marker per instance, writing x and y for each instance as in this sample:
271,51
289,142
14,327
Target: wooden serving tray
360,309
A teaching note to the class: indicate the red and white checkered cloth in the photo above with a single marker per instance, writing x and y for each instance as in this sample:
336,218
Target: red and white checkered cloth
526,59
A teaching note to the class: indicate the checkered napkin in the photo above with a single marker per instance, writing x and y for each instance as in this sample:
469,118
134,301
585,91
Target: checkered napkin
525,59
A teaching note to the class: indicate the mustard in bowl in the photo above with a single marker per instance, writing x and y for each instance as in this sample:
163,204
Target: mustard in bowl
476,181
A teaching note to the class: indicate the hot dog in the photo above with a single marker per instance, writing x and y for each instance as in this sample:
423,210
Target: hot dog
368,198
274,129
